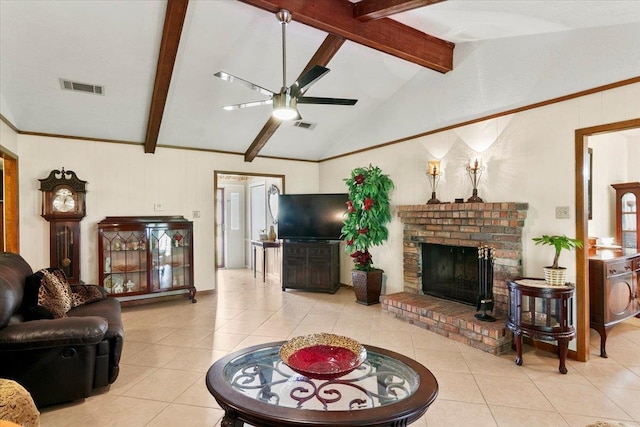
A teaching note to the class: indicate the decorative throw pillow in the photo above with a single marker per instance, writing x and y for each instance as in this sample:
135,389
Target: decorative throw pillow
55,292
30,308
84,294
48,295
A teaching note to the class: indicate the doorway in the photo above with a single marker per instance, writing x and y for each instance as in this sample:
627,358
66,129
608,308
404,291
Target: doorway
241,214
582,227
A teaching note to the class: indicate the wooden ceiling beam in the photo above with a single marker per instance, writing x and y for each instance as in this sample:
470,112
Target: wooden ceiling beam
265,133
385,35
173,22
368,10
323,55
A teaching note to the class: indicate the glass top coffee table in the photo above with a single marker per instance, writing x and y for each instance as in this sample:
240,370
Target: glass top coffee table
254,385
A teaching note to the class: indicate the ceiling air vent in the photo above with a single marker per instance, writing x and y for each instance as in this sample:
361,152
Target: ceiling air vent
81,87
305,125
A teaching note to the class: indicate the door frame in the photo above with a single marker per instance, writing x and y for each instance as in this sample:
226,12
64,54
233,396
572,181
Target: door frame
11,216
582,228
216,174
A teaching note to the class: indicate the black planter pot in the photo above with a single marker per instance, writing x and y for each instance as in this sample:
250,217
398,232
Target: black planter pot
367,285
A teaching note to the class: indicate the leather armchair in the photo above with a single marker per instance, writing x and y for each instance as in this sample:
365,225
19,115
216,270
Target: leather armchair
56,360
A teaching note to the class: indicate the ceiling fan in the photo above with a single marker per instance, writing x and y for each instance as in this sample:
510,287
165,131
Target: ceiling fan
285,102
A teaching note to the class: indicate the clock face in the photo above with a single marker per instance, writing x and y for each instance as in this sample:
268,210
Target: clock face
64,200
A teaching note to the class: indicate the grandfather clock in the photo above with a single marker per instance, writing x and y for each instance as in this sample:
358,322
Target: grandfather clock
63,205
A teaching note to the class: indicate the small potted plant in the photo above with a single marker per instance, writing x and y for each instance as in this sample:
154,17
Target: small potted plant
554,274
368,212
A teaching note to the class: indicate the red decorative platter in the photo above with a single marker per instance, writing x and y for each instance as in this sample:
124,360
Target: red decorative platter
323,356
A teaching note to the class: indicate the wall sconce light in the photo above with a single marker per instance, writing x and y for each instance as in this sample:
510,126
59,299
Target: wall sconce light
433,172
475,169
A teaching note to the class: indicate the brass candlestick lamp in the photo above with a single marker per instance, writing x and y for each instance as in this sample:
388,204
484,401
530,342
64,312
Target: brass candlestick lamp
475,169
433,172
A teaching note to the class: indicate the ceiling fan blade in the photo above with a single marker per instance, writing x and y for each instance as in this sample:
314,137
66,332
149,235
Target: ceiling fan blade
231,78
247,105
307,79
330,101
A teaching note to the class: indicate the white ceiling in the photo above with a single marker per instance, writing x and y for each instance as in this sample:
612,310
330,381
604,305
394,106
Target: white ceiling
507,54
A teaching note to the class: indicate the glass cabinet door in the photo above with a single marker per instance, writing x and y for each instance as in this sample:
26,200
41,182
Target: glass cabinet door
541,312
124,261
629,220
170,256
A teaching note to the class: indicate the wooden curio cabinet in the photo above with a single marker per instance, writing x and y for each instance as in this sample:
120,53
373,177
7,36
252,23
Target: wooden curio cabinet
540,311
627,218
145,255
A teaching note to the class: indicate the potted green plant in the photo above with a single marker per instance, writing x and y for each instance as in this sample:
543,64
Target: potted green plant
368,212
554,274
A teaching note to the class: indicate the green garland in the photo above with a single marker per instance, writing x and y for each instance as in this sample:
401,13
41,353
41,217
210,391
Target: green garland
368,212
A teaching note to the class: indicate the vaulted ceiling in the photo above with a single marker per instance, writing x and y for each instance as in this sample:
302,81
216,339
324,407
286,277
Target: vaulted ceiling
414,66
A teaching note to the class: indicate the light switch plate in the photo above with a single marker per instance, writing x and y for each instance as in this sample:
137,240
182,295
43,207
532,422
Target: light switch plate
562,212
158,207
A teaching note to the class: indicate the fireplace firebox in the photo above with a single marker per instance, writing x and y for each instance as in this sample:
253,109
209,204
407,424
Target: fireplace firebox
450,272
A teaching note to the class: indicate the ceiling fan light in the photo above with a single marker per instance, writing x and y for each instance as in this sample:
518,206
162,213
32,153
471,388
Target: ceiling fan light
284,107
286,113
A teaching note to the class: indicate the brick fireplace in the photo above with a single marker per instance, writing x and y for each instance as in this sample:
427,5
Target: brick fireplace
469,225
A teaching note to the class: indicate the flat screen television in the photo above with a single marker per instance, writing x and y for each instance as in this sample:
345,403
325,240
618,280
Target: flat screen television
311,216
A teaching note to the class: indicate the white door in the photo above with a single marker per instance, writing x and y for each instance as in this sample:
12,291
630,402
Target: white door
234,225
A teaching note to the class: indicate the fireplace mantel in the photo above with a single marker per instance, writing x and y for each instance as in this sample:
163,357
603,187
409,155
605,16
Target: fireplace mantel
498,225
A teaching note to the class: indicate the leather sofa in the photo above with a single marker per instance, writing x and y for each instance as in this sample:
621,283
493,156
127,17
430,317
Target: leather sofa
62,359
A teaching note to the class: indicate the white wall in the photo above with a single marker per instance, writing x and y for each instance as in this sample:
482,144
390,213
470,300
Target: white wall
8,138
633,159
123,180
530,157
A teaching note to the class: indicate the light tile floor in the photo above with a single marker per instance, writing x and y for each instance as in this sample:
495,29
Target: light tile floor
170,345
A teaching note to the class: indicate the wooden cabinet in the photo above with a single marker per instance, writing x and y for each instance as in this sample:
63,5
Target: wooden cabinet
614,284
311,266
145,255
540,311
627,218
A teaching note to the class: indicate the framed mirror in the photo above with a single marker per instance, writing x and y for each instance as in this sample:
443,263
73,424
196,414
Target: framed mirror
272,201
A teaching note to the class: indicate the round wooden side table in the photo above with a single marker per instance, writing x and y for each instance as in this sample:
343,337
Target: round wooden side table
540,311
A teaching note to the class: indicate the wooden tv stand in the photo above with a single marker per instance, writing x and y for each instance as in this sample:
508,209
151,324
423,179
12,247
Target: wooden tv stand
311,266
